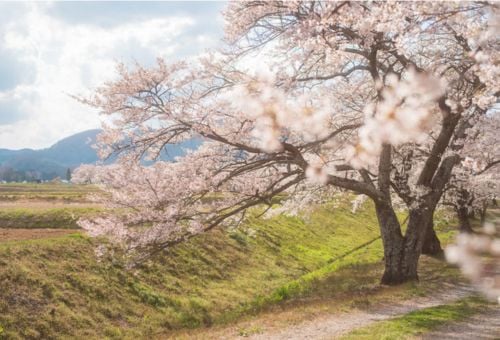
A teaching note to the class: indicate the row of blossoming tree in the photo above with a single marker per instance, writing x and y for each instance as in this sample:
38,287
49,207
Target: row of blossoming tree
395,101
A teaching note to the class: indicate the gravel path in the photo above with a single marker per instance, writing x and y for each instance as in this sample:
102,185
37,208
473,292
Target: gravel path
482,326
334,326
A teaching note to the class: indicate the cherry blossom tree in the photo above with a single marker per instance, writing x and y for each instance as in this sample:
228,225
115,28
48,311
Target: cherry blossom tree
373,98
471,192
473,186
472,189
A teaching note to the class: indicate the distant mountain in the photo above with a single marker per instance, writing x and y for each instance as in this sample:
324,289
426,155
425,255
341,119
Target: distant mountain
68,153
73,150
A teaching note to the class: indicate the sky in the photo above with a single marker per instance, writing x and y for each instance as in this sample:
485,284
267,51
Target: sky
52,50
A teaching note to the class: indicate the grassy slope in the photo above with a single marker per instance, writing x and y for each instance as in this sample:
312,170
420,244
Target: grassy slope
56,287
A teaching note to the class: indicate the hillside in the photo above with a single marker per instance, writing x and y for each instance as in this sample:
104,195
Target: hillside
73,150
28,164
57,288
70,152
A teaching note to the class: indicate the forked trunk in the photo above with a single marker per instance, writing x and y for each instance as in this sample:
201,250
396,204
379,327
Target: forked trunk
400,253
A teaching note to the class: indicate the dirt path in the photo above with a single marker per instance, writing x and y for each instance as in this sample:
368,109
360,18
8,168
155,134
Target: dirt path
334,326
482,326
7,234
318,322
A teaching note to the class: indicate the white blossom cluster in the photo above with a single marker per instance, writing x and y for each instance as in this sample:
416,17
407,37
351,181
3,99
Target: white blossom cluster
478,256
278,114
404,115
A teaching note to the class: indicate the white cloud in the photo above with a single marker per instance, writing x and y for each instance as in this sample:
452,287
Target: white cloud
73,59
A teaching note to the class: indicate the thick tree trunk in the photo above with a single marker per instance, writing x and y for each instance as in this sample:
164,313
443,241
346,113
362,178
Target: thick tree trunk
401,266
431,244
418,223
400,253
484,208
463,218
464,214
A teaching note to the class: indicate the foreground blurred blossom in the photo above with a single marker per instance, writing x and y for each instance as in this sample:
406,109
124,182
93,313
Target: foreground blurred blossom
478,256
404,114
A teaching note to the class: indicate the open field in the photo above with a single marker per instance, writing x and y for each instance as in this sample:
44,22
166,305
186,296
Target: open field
41,204
60,217
19,234
283,270
44,206
48,192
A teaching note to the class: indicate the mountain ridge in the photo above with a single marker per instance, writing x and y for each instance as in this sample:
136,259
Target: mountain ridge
49,163
67,153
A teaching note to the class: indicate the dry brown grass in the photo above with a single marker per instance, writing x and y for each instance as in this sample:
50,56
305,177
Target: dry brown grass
7,234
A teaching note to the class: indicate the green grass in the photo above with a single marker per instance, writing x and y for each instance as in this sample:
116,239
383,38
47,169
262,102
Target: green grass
55,288
419,322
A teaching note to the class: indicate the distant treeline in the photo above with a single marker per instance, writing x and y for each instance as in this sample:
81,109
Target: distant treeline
8,174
